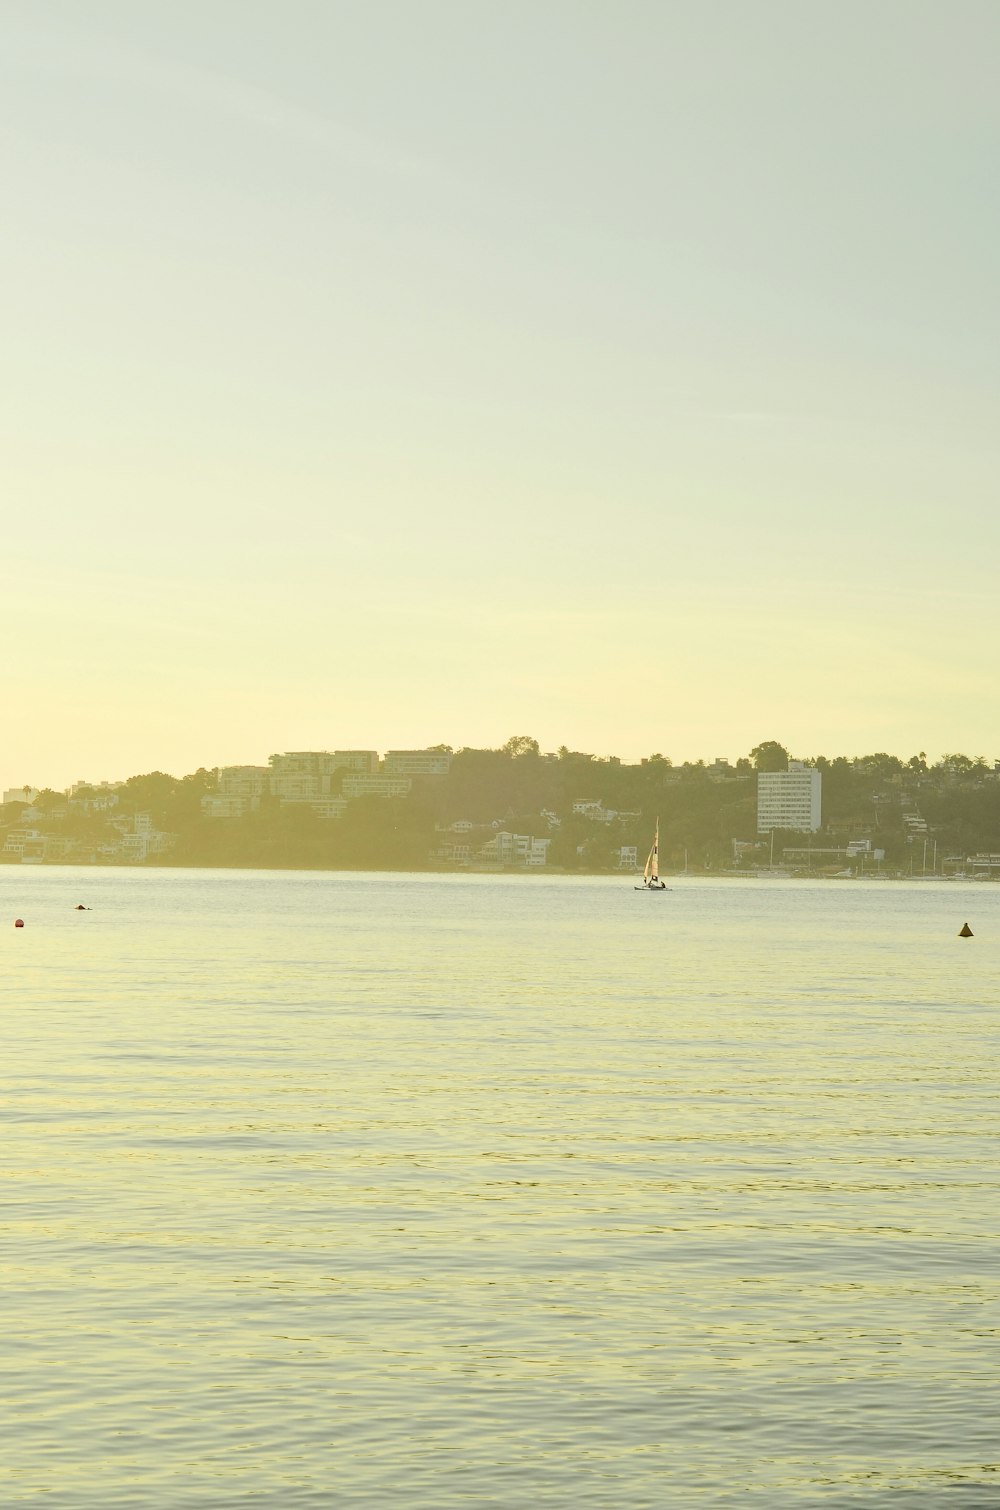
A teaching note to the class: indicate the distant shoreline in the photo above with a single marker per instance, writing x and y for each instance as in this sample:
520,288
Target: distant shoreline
498,870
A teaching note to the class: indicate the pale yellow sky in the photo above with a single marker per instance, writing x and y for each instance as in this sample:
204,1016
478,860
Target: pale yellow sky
383,375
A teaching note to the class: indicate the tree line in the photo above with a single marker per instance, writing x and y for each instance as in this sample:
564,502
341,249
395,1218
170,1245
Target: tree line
702,810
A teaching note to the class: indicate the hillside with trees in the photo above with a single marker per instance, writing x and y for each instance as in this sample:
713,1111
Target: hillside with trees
582,809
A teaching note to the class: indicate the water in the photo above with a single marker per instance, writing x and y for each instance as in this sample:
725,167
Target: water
351,1190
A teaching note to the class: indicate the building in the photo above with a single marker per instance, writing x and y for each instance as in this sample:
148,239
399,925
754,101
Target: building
25,794
300,774
95,796
417,762
983,865
244,781
364,762
312,777
458,852
139,839
239,790
789,799
506,848
323,807
214,806
594,809
376,786
305,774
19,840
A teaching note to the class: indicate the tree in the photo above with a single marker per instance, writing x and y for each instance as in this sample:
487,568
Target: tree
880,764
693,768
48,801
519,745
156,793
769,756
204,779
155,786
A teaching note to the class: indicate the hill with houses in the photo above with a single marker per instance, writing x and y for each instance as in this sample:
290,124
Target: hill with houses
517,808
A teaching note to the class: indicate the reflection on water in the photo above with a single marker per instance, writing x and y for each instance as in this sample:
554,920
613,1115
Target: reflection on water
355,1191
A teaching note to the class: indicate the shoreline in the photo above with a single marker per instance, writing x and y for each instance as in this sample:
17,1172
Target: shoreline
499,870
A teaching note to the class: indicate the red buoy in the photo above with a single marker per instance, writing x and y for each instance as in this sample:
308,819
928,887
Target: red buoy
19,922
965,932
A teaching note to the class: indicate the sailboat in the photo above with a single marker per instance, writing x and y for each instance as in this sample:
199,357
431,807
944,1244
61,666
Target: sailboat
651,875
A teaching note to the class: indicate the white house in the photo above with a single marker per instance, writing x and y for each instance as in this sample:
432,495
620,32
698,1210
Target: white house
593,808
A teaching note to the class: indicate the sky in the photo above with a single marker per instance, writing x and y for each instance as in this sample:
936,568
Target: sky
382,375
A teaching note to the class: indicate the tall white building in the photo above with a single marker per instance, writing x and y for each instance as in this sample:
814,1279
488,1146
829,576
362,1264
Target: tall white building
789,799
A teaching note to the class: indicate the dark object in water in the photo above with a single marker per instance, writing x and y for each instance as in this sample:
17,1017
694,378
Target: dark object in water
19,922
80,908
965,932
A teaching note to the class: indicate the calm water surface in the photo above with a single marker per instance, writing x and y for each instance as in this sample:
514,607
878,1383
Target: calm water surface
351,1190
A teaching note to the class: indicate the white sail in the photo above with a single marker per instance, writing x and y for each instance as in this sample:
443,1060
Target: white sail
651,874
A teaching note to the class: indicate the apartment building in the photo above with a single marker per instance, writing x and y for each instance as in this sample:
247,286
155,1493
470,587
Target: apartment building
25,794
215,806
301,775
240,789
506,848
789,799
375,786
249,781
19,840
312,777
364,762
323,807
417,763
